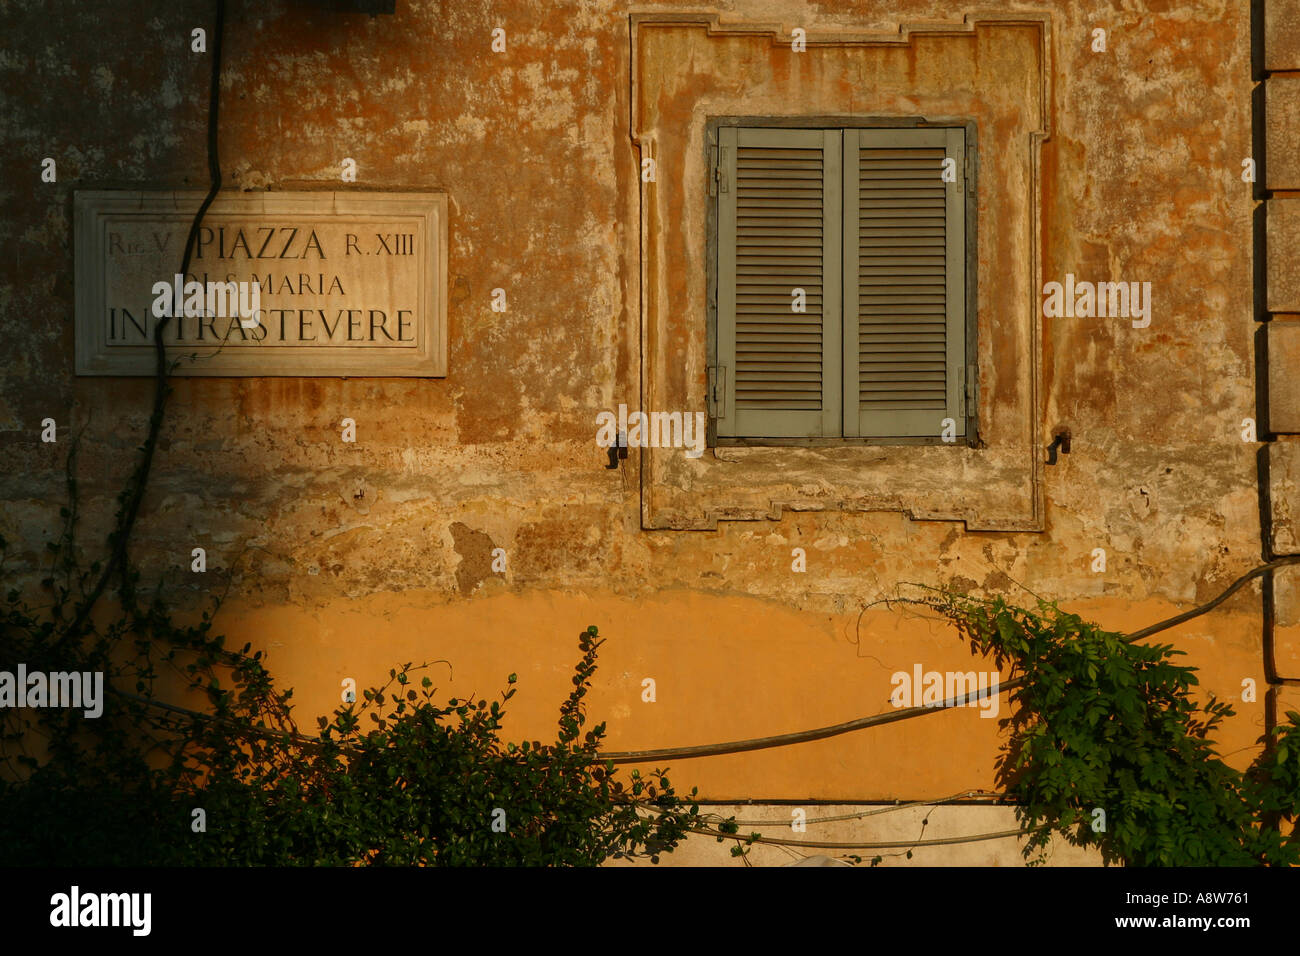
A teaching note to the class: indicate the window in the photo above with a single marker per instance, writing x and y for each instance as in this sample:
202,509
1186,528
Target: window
841,284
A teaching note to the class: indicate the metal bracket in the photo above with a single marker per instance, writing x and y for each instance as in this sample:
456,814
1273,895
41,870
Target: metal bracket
719,179
617,452
1061,440
717,391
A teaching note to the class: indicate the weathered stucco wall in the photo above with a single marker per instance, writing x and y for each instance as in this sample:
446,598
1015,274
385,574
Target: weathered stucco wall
348,558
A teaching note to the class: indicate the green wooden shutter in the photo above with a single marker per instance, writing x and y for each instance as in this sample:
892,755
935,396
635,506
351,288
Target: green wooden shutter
904,282
779,229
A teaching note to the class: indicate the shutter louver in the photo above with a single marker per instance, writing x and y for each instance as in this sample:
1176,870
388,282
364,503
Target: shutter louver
904,294
779,230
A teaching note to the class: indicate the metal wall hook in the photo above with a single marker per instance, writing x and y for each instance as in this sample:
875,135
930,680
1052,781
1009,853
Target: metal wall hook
617,452
1061,440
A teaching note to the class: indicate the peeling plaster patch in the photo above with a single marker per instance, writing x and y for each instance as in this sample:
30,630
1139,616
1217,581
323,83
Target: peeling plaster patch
345,529
819,489
475,551
55,63
1140,501
185,504
472,126
460,290
153,143
550,108
359,495
401,496
998,582
169,94
251,179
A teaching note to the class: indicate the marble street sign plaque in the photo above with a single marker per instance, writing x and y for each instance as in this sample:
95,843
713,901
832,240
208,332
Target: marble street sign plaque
345,283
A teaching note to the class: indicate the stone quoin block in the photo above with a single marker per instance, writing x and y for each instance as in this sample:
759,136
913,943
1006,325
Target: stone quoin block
1286,621
1282,34
1282,132
1282,219
1284,496
1284,377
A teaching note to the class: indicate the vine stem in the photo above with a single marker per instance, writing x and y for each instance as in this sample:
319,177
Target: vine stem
117,562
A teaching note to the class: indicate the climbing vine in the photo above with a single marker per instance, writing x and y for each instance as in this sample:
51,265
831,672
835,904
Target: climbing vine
394,778
1108,748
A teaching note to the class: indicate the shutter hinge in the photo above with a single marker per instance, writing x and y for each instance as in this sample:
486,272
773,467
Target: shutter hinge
970,172
719,179
717,391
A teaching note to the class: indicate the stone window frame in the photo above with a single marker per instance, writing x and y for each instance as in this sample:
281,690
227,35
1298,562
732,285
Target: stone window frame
1001,480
